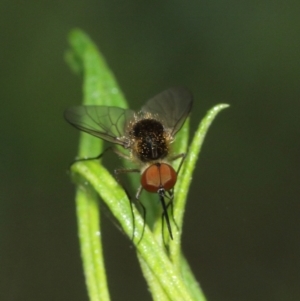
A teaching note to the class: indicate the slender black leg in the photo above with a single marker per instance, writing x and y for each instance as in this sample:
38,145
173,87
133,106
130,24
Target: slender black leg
137,197
117,173
171,192
91,158
171,205
110,148
182,156
165,215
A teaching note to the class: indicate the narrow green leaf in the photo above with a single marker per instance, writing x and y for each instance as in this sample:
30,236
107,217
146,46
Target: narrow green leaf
99,88
184,182
190,281
157,292
149,250
91,245
168,275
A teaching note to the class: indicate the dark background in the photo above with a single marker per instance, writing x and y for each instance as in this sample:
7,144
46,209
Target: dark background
241,231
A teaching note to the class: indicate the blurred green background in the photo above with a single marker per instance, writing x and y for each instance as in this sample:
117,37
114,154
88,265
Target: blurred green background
241,231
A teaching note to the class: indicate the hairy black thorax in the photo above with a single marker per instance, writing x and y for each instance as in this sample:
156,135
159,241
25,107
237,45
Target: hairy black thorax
150,140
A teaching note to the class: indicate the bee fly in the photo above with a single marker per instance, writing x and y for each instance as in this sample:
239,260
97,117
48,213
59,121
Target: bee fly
147,135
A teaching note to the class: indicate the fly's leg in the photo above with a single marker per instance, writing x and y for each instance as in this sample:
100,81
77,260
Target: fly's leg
165,216
90,158
170,196
137,198
182,156
117,174
171,205
110,148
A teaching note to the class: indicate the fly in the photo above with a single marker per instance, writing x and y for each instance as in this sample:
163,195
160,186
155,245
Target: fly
147,135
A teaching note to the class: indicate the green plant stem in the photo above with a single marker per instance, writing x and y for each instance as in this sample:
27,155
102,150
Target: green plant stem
153,255
157,292
91,245
190,281
185,180
168,274
99,88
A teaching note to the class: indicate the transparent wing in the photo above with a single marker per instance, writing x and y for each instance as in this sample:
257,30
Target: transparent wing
108,123
172,107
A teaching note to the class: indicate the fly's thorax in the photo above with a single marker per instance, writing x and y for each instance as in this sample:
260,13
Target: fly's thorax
150,141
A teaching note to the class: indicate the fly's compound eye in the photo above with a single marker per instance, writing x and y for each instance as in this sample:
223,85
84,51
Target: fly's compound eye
158,176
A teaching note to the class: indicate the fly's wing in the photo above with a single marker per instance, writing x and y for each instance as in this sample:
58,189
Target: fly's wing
172,107
108,123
